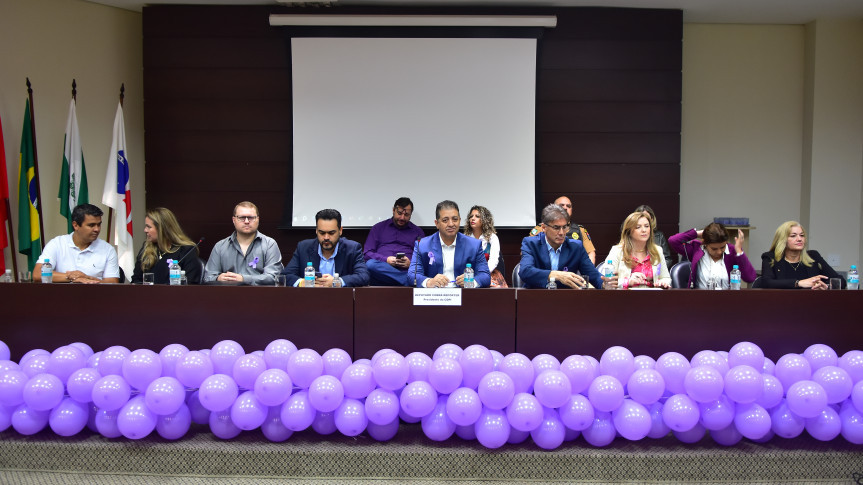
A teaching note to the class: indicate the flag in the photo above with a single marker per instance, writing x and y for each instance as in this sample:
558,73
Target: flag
73,177
118,196
29,241
4,199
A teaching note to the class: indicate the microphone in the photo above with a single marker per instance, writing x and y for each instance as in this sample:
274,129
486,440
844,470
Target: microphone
190,252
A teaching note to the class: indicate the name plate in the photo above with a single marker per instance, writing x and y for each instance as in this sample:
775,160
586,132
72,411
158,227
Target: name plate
437,296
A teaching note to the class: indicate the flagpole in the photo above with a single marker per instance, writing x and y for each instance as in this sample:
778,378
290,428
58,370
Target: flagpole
111,209
36,164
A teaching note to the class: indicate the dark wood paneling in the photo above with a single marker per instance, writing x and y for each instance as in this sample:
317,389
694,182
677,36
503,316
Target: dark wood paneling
210,176
616,23
245,83
214,53
611,54
607,117
218,115
609,85
610,178
608,147
172,146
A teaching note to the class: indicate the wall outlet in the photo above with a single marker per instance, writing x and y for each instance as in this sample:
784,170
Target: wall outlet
834,260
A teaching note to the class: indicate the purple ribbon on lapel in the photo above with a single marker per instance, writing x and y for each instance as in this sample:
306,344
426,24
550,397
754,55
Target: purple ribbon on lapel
565,268
254,263
431,257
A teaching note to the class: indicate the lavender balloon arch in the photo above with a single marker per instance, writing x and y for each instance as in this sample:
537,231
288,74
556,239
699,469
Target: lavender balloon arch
474,393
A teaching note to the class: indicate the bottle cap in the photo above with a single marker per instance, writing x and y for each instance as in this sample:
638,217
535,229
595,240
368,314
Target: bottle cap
736,267
309,264
552,279
468,265
609,261
853,266
47,260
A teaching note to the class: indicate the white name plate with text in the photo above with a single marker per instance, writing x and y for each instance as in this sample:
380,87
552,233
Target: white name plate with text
437,296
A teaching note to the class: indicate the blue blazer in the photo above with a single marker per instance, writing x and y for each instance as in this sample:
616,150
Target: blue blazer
349,263
467,250
535,264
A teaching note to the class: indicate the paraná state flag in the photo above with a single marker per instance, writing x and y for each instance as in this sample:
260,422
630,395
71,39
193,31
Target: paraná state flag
73,177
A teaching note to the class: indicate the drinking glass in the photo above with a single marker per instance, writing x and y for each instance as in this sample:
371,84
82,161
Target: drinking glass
149,278
281,280
835,283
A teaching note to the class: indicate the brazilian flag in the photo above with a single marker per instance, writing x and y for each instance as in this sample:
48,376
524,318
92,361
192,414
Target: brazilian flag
29,241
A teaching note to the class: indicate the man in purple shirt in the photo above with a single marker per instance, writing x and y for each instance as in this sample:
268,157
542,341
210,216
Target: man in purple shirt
389,239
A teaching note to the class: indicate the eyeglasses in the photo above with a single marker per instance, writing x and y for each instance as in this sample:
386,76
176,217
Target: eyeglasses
245,218
558,228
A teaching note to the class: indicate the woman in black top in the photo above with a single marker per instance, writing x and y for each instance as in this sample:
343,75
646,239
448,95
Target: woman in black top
165,240
789,265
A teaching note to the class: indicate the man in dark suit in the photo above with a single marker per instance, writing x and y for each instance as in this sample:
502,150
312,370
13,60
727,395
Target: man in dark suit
552,254
329,254
441,258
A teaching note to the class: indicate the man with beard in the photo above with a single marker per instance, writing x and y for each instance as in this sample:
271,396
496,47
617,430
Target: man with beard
329,254
81,257
247,256
387,241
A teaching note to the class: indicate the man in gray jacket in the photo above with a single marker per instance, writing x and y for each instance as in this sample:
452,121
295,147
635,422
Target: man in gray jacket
246,256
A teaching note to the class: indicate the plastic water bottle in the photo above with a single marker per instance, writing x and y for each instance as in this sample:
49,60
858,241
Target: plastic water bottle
183,280
609,269
337,283
7,277
47,271
853,278
552,284
174,272
309,275
734,277
469,281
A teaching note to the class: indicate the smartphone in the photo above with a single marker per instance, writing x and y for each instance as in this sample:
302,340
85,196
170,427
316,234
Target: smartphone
318,274
400,255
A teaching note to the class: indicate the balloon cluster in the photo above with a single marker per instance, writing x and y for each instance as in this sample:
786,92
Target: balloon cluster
474,393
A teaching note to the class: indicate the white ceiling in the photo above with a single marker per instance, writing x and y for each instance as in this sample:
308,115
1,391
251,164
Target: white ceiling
700,11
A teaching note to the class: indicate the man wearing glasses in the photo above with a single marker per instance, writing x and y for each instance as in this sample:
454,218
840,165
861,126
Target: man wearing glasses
578,233
246,256
387,241
552,253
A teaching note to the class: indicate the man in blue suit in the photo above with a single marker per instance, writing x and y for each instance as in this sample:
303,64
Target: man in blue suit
442,257
553,254
329,254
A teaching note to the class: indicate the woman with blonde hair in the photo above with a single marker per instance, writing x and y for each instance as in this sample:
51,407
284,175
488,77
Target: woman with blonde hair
637,261
480,225
165,240
789,265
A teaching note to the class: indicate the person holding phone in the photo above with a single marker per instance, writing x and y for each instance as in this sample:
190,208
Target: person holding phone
330,254
390,245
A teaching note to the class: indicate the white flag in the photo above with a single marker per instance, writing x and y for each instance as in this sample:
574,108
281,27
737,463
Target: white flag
118,195
73,176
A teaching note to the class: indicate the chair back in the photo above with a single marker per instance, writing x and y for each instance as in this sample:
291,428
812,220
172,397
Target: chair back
516,280
203,265
680,274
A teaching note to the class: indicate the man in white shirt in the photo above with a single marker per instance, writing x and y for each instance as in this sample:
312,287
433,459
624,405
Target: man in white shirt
81,257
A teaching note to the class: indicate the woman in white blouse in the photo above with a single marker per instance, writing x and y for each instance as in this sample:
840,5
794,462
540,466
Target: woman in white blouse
637,261
480,225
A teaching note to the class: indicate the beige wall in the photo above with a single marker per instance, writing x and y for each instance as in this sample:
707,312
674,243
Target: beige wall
52,42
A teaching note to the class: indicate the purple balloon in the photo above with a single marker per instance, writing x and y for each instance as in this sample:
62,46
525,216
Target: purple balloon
141,368
12,384
175,425
297,413
496,389
80,384
32,353
84,348
170,355
358,380
577,414
93,360
551,432
69,417
718,414
111,360
492,428
631,420
247,412
826,426
450,351
658,428
224,354
4,349
571,434
37,364
66,360
580,372
106,423
646,386
445,375
277,353
772,392
728,436
324,423
857,395
418,399
165,396
525,413
43,391
468,433
273,387
605,393
644,362
673,368
544,362
515,436
436,425
200,414
694,435
383,432
326,394
752,421
135,420
806,398
785,423
304,366
769,366
391,371
496,358
820,355
382,407
476,361
711,358
407,418
335,362
744,384
463,406
221,425
246,370
791,368
746,353
520,369
273,429
601,432
703,383
852,363
6,417
6,365
192,368
852,424
617,362
28,421
835,381
680,412
552,388
380,353
218,392
418,366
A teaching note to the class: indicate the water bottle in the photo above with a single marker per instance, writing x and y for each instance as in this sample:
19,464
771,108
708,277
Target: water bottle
609,269
469,282
337,283
47,271
734,278
309,275
552,285
174,272
853,278
183,280
7,277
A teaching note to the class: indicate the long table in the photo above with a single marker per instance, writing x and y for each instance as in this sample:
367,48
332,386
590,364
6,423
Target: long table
364,320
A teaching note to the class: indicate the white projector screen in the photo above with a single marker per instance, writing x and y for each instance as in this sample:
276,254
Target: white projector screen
375,119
